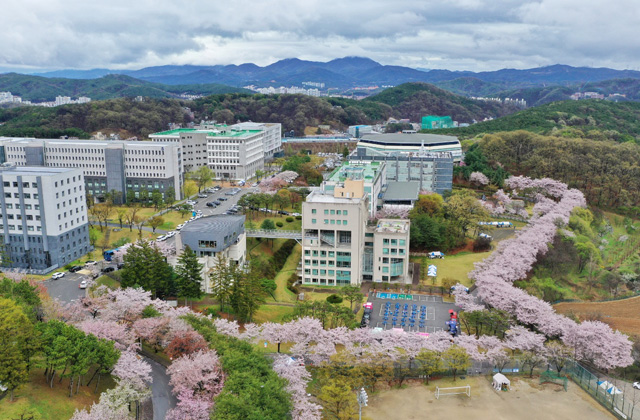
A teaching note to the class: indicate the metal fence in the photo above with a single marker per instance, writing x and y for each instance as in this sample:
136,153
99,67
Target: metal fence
620,404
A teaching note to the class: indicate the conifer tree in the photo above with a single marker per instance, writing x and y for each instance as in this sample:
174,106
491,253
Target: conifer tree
189,275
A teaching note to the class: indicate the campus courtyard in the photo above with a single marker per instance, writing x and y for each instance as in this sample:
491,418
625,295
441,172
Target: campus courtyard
527,400
428,313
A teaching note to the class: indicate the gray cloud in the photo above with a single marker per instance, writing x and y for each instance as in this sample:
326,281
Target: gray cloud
455,34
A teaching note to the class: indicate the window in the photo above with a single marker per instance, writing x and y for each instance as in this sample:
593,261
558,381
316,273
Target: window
344,212
9,205
313,211
326,211
339,212
313,221
385,251
339,221
401,242
385,242
331,254
307,252
394,242
344,223
332,212
315,253
6,183
207,244
326,221
385,269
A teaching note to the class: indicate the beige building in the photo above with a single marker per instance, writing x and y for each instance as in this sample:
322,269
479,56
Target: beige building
338,246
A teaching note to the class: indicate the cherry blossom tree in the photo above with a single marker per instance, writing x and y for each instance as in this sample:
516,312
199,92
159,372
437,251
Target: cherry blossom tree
123,337
479,178
297,377
132,369
184,343
287,176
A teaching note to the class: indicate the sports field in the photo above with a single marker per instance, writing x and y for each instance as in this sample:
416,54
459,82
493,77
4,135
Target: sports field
526,401
623,315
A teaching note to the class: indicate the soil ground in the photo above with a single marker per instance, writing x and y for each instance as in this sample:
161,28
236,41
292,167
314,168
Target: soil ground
623,314
526,401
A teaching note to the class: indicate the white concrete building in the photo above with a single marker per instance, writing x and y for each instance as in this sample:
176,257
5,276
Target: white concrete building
340,247
44,222
231,152
107,165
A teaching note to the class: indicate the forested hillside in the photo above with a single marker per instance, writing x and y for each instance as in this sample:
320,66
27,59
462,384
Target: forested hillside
135,118
596,118
42,89
608,173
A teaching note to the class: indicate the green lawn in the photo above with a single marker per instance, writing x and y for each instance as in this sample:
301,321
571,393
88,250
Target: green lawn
115,236
282,293
173,219
143,212
272,313
258,218
50,403
454,266
106,281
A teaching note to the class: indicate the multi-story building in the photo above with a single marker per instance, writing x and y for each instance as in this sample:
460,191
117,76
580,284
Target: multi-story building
44,217
216,236
231,152
433,171
417,143
372,173
340,247
108,166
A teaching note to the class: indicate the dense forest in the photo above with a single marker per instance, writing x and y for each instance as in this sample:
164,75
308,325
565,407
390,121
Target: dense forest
135,118
619,121
608,173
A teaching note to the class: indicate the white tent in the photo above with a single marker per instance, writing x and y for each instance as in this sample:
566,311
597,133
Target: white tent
500,381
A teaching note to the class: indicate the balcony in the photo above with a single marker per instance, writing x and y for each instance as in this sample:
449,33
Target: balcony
396,269
328,239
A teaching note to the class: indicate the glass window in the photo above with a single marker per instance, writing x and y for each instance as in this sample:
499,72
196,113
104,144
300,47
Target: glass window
385,251
313,211
385,269
339,212
339,221
401,242
333,222
385,241
331,253
344,212
331,272
326,221
344,222
326,211
307,252
315,253
332,212
313,221
394,242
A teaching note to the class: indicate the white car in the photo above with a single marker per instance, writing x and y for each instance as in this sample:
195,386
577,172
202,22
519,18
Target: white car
57,276
161,238
180,226
636,385
171,234
201,195
191,202
90,263
83,284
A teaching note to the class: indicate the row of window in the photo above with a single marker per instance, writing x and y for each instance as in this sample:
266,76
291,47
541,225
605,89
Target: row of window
328,263
29,228
24,184
328,282
393,251
332,212
36,196
330,254
19,217
387,241
331,221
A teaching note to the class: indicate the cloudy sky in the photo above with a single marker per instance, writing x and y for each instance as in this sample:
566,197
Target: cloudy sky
472,35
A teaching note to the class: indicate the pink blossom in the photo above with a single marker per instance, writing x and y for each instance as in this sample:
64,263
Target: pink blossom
297,377
479,178
122,336
131,369
198,374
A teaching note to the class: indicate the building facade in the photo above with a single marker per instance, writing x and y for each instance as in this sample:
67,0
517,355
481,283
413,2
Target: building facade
340,247
402,143
44,217
213,237
231,152
108,166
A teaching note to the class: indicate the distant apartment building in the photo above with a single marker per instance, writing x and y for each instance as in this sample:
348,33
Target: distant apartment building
44,217
216,236
340,247
108,166
358,131
231,152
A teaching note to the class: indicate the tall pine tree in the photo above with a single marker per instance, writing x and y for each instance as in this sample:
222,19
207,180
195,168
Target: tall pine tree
189,277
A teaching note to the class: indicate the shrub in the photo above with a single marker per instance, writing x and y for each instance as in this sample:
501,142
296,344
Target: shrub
150,312
279,224
293,278
289,219
298,217
334,299
481,244
120,242
281,255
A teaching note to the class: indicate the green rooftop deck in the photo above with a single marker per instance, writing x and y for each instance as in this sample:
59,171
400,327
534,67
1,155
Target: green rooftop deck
210,133
368,172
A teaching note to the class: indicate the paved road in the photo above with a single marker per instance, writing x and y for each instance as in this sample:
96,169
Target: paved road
161,394
66,290
226,205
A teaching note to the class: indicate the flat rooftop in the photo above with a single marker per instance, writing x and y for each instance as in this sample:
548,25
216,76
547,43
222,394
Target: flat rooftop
399,139
392,226
320,197
402,191
223,132
98,143
354,171
33,170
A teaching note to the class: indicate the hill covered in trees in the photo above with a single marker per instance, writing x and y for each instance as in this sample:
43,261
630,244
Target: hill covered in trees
135,118
42,89
593,118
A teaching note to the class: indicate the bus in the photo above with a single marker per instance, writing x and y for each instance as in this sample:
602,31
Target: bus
108,255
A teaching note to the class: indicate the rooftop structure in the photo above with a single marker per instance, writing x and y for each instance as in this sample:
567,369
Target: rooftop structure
433,122
371,174
401,193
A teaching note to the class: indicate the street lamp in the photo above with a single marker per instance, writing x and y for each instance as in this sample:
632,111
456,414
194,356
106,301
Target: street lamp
363,398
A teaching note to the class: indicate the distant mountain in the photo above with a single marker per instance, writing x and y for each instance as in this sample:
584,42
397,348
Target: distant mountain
40,89
349,72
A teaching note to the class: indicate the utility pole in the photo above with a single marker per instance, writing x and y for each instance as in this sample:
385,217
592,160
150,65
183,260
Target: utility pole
363,398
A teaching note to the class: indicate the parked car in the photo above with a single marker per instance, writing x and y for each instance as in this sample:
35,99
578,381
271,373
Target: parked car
83,284
180,226
636,385
484,235
211,204
436,254
171,234
57,276
120,266
222,199
161,238
202,195
255,184
108,269
75,269
90,263
191,202
217,202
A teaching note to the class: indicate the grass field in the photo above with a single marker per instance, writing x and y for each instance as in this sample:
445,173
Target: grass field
455,266
282,293
260,217
272,313
623,314
106,281
50,403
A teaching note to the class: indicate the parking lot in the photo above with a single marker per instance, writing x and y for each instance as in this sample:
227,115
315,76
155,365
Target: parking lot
423,313
232,200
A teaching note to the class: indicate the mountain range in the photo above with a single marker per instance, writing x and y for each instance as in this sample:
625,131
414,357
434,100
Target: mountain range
349,72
